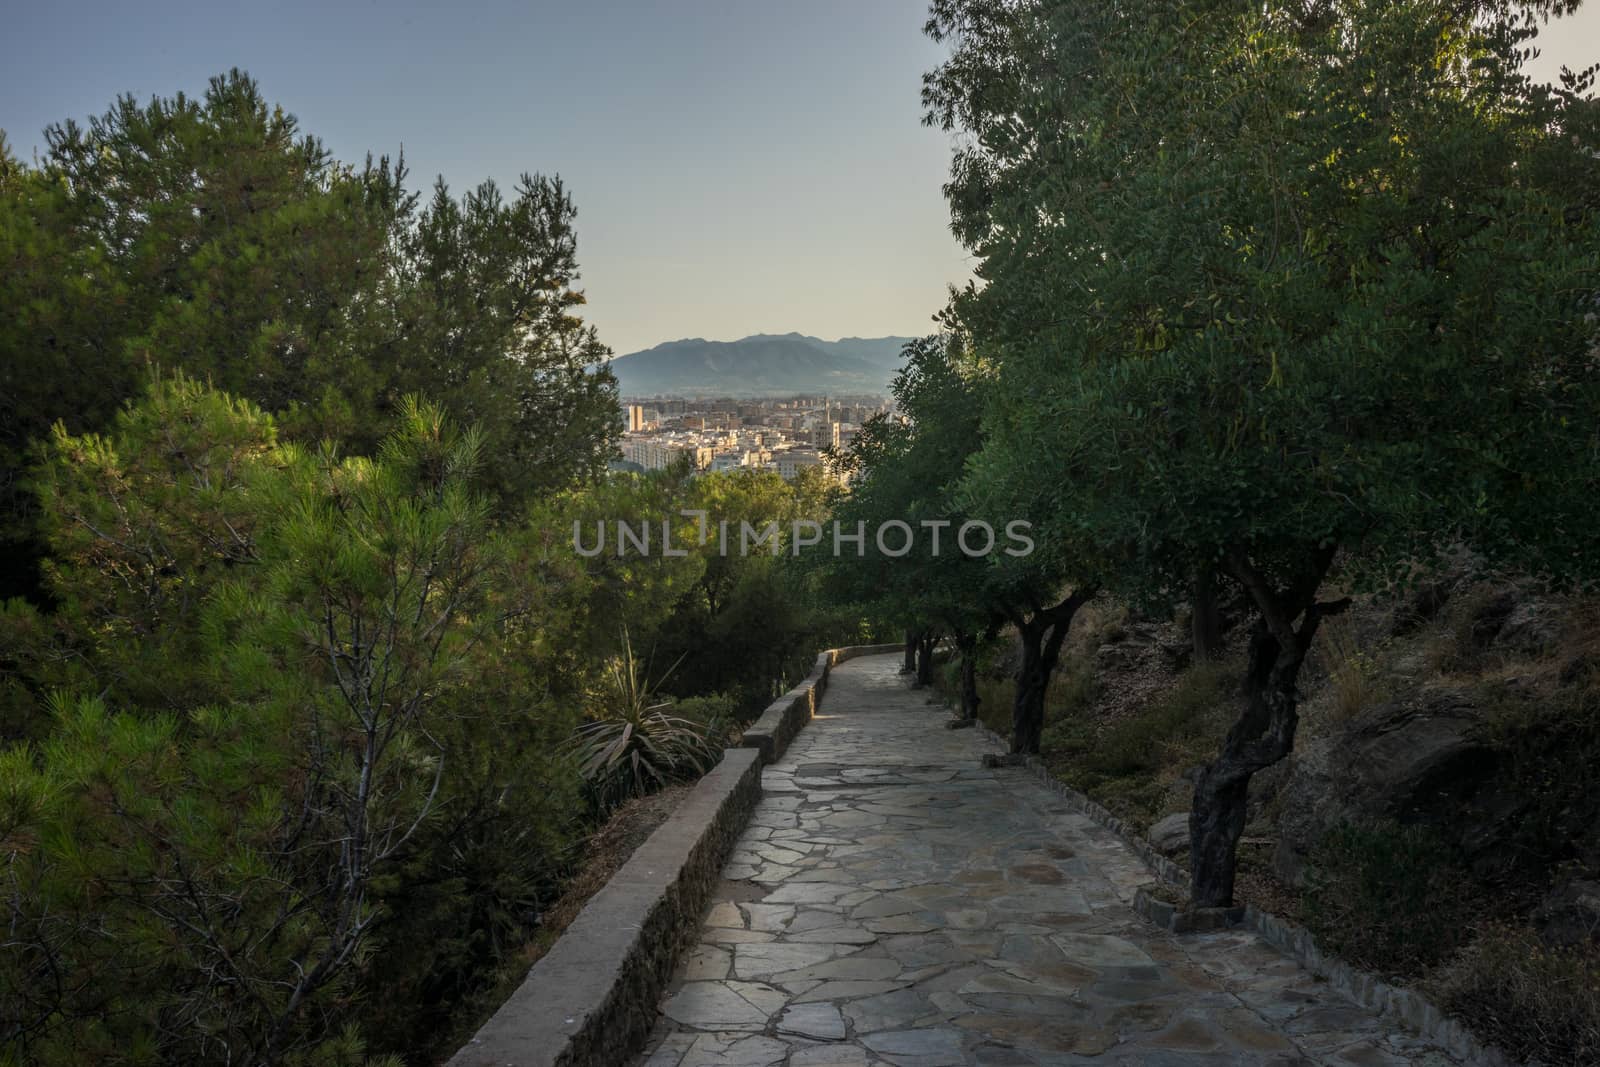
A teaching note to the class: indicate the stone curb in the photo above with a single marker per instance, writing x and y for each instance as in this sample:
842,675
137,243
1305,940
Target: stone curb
772,732
1410,1008
591,1000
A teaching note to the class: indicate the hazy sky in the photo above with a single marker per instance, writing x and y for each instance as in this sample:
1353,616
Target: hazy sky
739,167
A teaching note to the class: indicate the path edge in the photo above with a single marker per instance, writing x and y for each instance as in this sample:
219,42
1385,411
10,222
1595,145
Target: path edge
591,1000
1407,1006
771,733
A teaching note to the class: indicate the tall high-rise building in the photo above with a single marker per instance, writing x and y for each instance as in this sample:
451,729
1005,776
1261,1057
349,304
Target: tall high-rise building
635,418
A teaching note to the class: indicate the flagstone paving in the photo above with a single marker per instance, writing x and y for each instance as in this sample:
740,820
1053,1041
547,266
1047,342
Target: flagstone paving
894,902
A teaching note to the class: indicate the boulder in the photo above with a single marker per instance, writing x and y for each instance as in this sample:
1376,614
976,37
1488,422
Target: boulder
1170,836
1533,628
1418,608
1422,760
1570,916
1119,657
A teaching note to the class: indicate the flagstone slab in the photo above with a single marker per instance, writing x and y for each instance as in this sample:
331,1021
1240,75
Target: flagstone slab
924,1047
821,1022
759,960
724,1005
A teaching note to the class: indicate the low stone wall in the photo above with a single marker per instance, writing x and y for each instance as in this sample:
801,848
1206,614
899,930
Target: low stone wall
591,1000
771,733
1410,1007
849,652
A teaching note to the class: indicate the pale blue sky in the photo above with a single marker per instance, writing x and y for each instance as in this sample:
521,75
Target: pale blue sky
739,166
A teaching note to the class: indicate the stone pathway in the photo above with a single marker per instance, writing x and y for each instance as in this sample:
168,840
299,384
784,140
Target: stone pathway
893,902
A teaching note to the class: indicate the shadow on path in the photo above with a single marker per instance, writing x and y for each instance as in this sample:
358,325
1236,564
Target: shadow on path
894,902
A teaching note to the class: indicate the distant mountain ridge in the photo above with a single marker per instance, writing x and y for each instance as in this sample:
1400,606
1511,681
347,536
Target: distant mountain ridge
762,364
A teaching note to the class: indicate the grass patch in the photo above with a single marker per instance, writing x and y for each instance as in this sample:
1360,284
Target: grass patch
1387,897
1071,693
1538,1004
1353,671
1133,764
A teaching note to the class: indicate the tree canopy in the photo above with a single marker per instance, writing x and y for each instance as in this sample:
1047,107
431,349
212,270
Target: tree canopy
212,236
1265,284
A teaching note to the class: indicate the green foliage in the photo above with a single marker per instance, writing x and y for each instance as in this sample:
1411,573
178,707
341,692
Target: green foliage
1133,763
746,622
293,772
716,712
907,469
1388,897
211,236
633,746
144,524
1237,311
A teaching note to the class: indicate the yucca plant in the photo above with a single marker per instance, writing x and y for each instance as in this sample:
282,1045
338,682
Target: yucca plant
633,746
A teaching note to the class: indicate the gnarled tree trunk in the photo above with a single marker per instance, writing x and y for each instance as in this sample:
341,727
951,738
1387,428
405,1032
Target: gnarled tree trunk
1264,732
1041,635
967,649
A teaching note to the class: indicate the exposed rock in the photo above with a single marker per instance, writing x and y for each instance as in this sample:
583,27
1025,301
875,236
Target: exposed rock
1571,915
1179,653
1120,657
1533,627
1419,608
1170,835
1417,761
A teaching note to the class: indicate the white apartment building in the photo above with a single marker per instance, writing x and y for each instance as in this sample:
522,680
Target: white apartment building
792,461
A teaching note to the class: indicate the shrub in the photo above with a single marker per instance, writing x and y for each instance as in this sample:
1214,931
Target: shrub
633,746
317,785
1181,726
1536,1003
715,712
1393,898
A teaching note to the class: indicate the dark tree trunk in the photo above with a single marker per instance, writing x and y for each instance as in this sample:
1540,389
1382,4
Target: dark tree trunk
1041,635
910,665
1033,678
1204,622
967,649
1264,732
925,647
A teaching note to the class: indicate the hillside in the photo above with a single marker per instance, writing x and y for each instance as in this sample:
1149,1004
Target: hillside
1437,823
761,365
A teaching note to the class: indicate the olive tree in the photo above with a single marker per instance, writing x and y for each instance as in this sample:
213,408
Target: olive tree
909,469
1269,287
